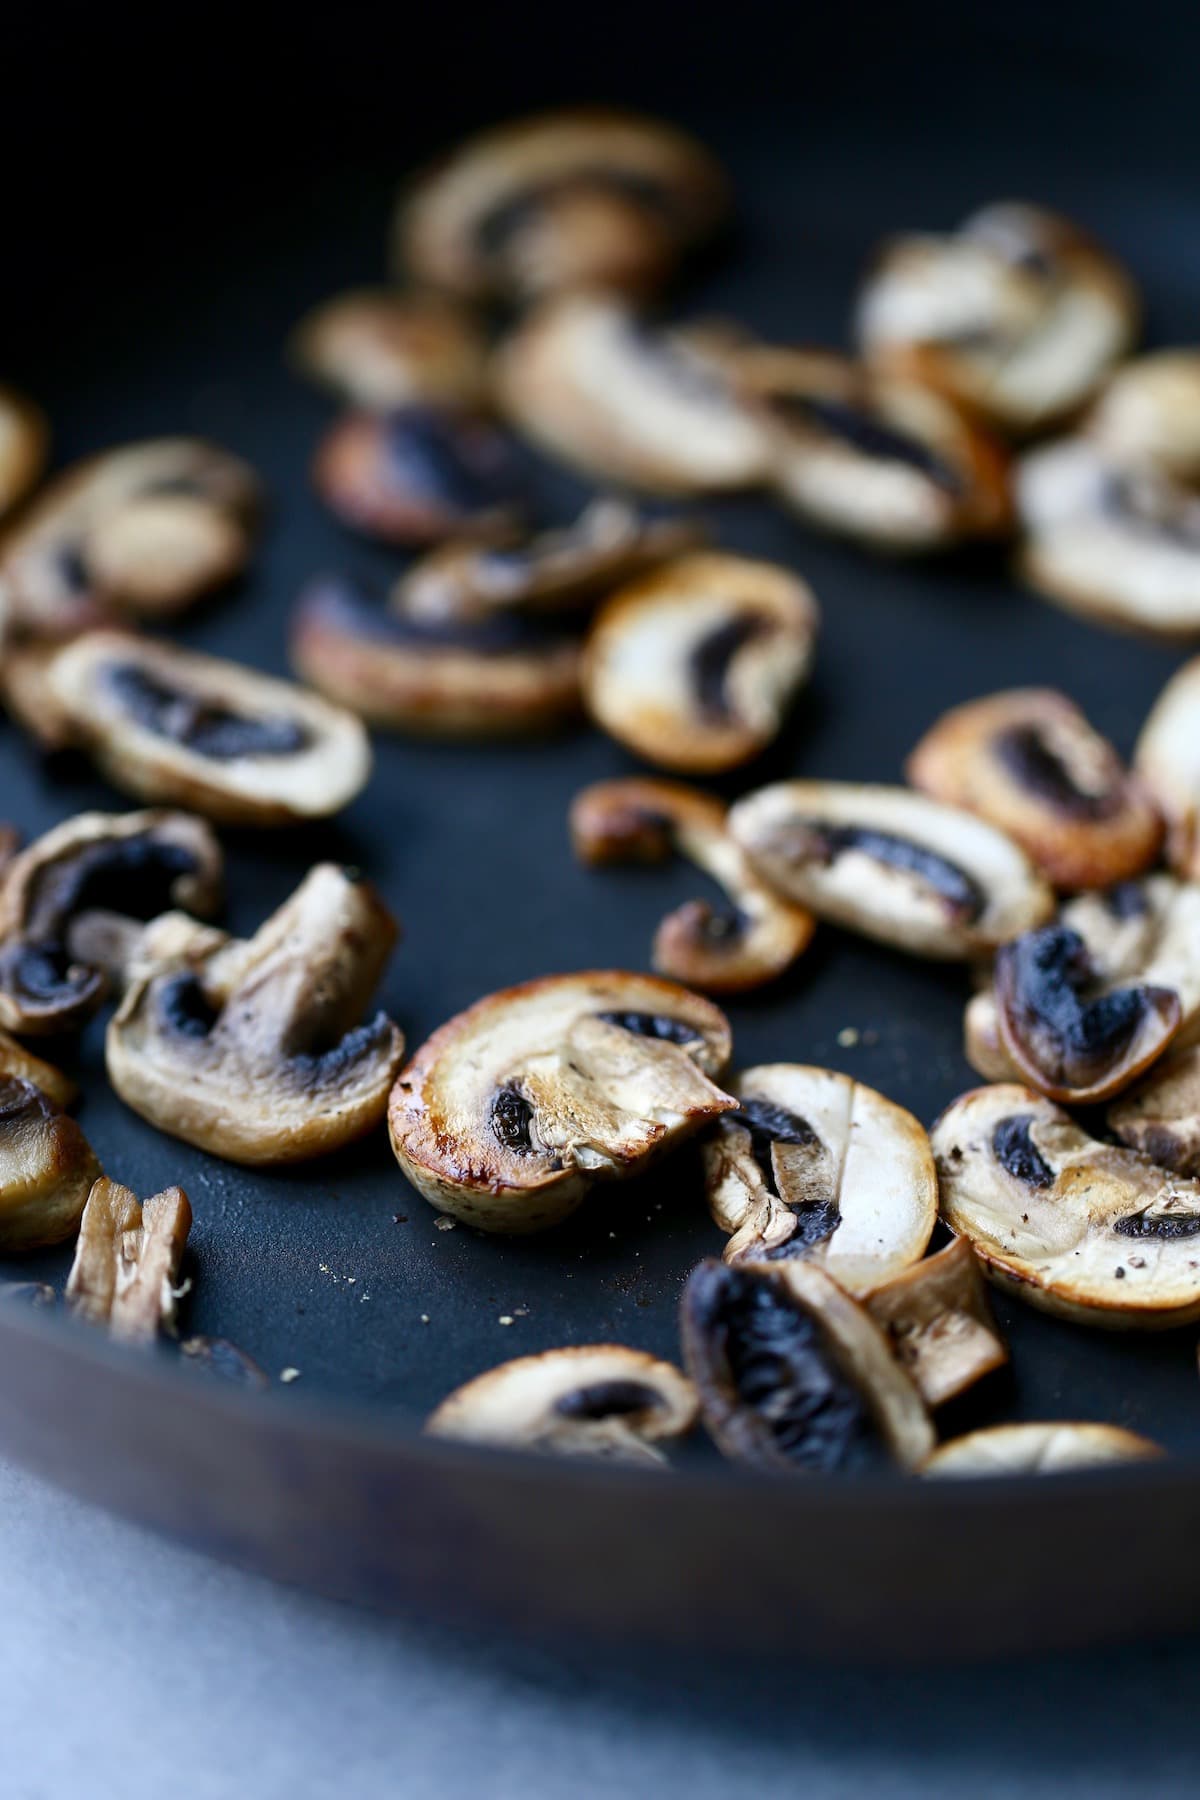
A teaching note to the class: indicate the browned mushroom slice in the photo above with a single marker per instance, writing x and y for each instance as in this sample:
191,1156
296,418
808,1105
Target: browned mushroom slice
818,1166
1149,413
793,1374
225,1361
1041,1449
417,475
1029,761
382,350
500,675
125,1276
585,197
593,384
722,950
1076,1227
1168,761
171,725
591,1400
1160,1117
939,1323
16,1060
695,666
508,1114
896,866
24,439
1018,314
47,1168
255,1052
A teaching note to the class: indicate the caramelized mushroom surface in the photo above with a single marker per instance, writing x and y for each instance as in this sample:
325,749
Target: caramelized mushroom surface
24,441
383,351
47,1168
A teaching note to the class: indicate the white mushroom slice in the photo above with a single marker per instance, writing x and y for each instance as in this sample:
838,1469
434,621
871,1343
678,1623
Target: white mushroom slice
382,350
939,1323
818,1166
1160,1117
723,950
24,440
589,382
47,1168
1114,543
125,1276
511,1111
983,1045
1168,761
418,475
591,1400
255,1051
1018,315
1076,1227
895,866
1150,413
171,725
1041,1449
694,667
793,1374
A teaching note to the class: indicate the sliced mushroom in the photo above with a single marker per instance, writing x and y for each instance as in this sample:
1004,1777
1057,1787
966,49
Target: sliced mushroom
218,1357
722,950
254,1052
382,350
511,1111
24,440
898,867
591,383
417,475
983,1046
1168,760
47,1168
939,1323
585,197
794,1374
1160,1117
16,1060
818,1167
695,666
1041,1449
1087,1230
125,1276
1028,761
171,725
1019,315
1150,413
592,1400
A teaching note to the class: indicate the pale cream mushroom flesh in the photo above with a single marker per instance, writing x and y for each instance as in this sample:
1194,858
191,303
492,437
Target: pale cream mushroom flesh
1168,760
1038,1449
125,1276
939,1323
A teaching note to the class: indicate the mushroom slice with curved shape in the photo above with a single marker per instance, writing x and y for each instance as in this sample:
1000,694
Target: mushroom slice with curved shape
16,1060
382,350
589,1400
722,950
255,1051
939,1323
1017,315
47,1168
795,1375
694,667
983,1045
502,675
819,1167
1149,413
592,384
418,475
1028,761
893,865
173,726
572,198
125,1276
1087,1230
24,441
1168,760
1040,1449
510,1112
1160,1116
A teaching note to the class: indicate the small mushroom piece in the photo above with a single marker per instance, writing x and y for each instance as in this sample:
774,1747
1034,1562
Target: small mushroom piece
1168,760
24,441
893,865
172,726
939,1323
1149,413
1083,1229
220,1358
590,1400
255,1051
1018,315
47,1168
125,1276
510,1112
16,1060
1160,1116
694,667
1041,1449
818,1167
721,950
573,198
793,1374
418,475
592,384
382,350
1028,761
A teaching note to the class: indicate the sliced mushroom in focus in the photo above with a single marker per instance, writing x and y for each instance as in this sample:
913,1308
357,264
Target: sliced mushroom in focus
1028,761
893,865
382,350
510,1112
694,667
819,1167
47,1168
24,441
254,1051
938,1321
125,1276
590,1400
418,475
1087,1230
1040,1449
1160,1115
721,950
1149,413
1168,760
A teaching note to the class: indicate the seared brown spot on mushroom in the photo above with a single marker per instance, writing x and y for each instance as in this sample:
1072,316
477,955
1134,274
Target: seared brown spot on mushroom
125,1276
416,476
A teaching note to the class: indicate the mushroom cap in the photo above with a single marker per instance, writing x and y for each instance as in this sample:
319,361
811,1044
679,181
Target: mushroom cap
174,726
1149,412
1028,761
597,1400
382,350
125,1276
1168,760
418,475
937,1317
891,864
47,1168
695,665
1160,1116
24,443
515,1107
1041,1449
1083,1229
821,1168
